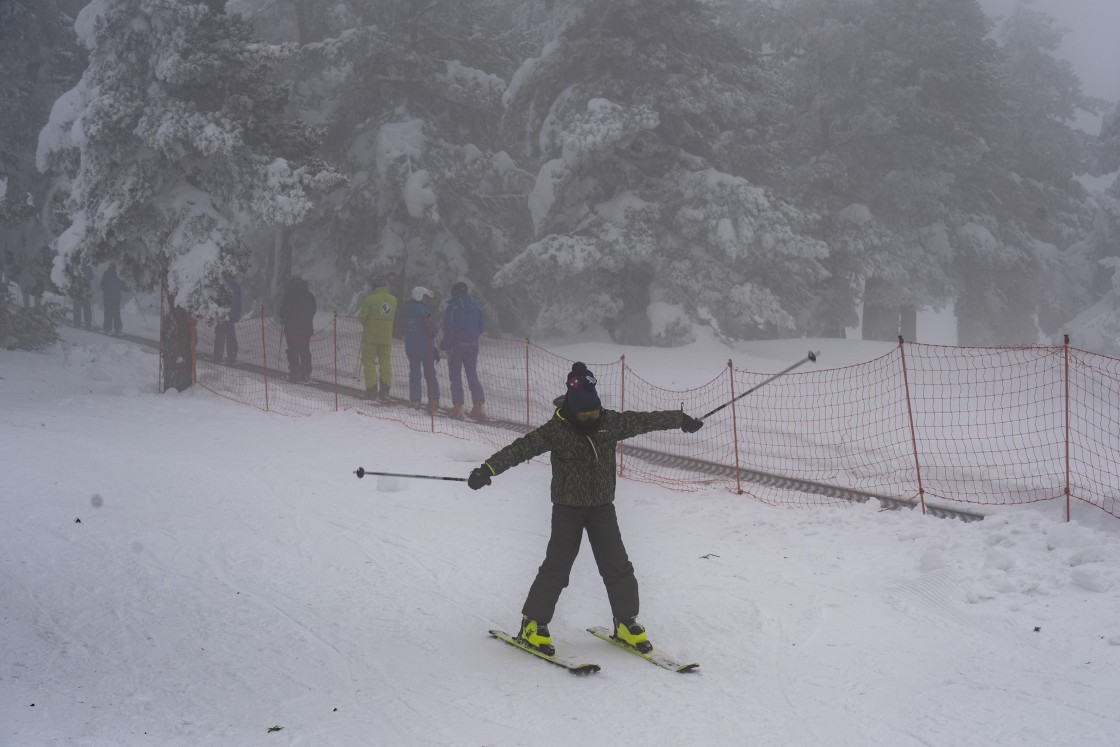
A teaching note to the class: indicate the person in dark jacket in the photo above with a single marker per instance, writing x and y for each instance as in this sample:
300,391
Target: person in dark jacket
582,437
297,314
7,268
177,350
463,323
419,330
225,333
112,288
41,264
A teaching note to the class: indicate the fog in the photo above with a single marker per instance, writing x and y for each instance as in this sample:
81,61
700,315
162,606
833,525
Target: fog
1090,44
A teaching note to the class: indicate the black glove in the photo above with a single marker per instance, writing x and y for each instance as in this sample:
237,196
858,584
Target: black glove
690,424
480,477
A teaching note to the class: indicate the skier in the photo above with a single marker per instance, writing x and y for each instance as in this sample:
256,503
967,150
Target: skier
112,288
297,315
419,332
463,323
225,331
582,436
377,315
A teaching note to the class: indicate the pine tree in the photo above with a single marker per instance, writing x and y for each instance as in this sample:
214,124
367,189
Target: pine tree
1106,155
1037,263
39,59
410,97
953,154
182,143
891,104
651,128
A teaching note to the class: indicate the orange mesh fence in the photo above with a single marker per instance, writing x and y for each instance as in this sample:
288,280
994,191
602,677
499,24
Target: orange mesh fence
842,426
984,426
989,422
1094,430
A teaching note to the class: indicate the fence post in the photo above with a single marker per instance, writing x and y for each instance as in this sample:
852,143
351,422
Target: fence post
527,382
913,435
1065,348
734,427
264,358
162,296
334,345
194,352
622,408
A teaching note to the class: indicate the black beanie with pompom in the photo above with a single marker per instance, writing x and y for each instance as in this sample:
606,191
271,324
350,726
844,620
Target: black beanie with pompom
581,395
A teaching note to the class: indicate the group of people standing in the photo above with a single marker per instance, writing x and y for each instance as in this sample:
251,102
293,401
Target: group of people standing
31,272
112,294
462,324
427,340
33,276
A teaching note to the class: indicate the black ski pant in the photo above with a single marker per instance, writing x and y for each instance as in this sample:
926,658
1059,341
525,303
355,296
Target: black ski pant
568,524
299,356
112,306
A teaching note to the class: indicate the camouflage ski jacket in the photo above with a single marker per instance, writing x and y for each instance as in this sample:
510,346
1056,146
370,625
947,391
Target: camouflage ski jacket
583,466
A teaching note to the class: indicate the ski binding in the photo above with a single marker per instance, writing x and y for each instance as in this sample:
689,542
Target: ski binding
572,665
654,657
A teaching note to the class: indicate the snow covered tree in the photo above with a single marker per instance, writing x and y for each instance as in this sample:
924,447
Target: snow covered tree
183,145
1107,148
1040,218
39,59
650,129
891,103
942,161
1093,263
410,97
1042,93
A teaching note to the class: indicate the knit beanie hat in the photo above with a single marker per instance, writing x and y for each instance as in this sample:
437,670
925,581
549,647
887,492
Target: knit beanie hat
581,395
459,289
419,293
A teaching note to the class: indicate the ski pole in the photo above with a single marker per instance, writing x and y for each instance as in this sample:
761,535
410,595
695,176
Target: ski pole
811,357
358,364
136,302
363,472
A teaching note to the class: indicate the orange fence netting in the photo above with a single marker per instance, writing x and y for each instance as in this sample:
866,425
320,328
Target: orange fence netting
982,426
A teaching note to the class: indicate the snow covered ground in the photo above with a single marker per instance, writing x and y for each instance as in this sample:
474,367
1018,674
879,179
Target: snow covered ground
178,569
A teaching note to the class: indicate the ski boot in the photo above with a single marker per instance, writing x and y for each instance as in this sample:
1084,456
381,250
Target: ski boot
476,413
631,631
536,635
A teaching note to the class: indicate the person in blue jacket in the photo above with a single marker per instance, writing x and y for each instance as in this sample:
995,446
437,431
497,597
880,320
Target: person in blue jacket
419,329
463,323
225,332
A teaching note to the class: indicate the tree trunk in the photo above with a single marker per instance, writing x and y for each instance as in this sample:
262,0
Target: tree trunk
909,326
282,263
300,9
632,327
879,322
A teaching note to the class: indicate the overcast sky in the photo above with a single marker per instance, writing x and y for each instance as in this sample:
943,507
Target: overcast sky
1092,43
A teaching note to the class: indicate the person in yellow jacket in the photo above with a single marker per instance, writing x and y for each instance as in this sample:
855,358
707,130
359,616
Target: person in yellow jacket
378,313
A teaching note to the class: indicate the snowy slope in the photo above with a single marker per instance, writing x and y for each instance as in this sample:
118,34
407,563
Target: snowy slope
229,574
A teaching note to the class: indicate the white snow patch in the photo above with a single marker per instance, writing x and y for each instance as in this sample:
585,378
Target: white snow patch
236,576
